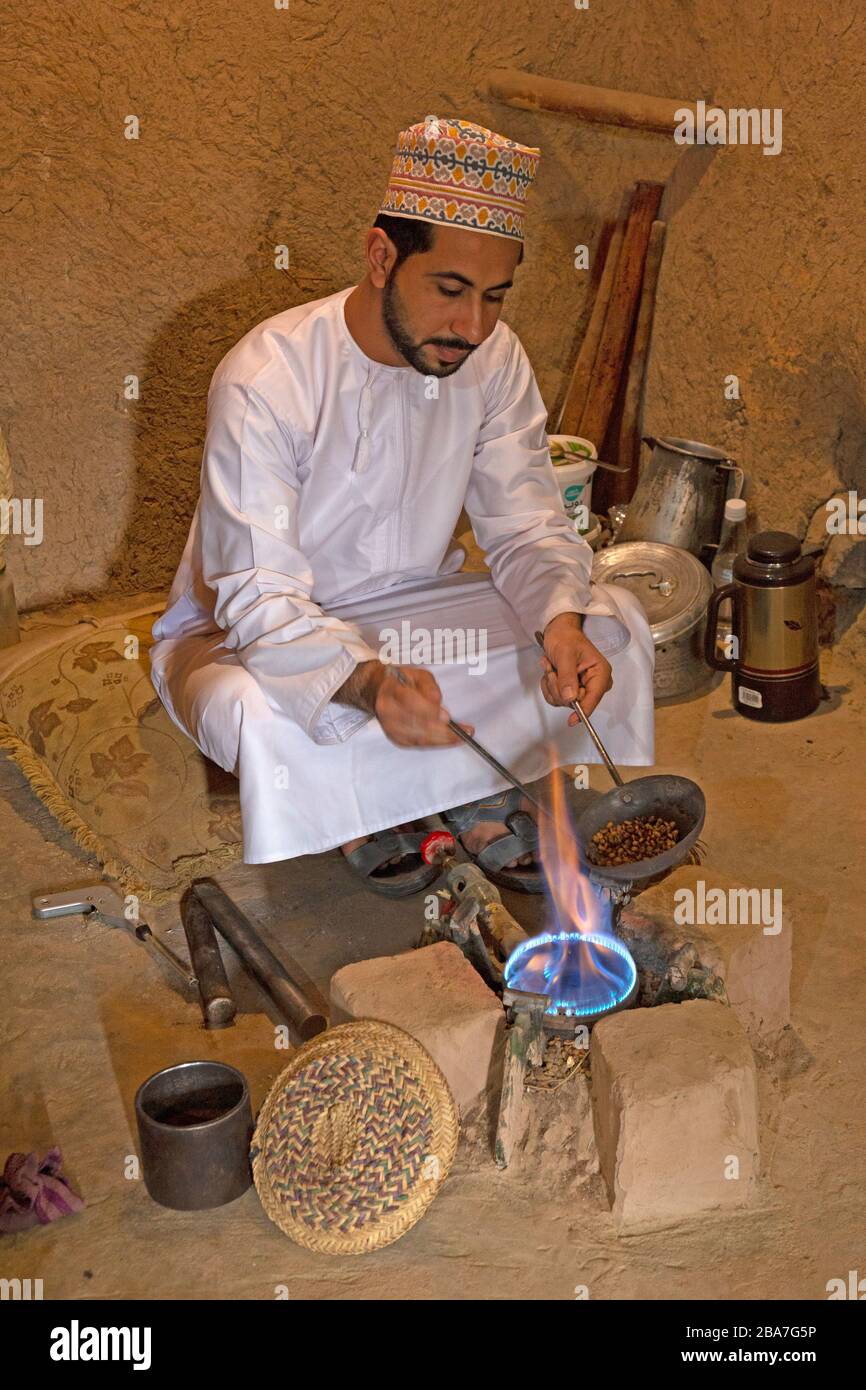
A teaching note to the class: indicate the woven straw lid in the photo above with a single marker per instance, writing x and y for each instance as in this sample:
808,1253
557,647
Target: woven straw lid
354,1140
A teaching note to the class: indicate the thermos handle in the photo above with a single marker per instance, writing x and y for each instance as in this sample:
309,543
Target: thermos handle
731,591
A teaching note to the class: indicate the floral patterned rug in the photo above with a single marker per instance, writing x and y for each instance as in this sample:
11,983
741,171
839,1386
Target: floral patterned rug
79,715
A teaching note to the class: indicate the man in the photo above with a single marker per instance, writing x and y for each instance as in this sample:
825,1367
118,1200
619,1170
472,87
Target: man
344,438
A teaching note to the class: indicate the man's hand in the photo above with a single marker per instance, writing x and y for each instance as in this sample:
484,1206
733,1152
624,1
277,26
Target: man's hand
411,715
581,671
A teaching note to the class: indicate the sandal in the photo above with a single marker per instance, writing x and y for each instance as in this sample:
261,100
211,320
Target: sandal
370,862
523,839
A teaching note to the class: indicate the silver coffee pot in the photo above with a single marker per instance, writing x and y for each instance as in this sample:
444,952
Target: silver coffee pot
681,494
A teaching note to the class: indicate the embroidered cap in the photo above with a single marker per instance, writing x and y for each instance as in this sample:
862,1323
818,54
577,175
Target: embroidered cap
459,173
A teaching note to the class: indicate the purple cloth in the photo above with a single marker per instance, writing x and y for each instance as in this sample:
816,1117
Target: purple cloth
34,1193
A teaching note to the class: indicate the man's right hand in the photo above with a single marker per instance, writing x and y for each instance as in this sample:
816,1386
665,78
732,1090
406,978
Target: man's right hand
411,715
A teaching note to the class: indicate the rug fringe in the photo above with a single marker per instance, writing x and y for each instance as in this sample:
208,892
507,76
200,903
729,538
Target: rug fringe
42,781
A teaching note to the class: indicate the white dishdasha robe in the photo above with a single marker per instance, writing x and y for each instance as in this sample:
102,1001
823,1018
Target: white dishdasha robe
330,489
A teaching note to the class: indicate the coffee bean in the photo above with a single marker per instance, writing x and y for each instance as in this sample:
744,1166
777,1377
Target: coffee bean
632,841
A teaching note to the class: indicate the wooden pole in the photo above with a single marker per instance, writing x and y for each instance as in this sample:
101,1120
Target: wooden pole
575,400
631,425
619,318
598,104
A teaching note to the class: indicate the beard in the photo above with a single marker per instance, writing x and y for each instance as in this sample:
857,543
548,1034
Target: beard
395,321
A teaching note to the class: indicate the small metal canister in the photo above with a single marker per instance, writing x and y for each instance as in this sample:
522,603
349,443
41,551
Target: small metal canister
194,1127
673,588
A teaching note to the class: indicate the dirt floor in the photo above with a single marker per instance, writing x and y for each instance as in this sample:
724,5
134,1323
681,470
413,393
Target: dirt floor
86,1017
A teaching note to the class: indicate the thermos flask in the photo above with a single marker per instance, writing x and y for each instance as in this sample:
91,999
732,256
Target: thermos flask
774,631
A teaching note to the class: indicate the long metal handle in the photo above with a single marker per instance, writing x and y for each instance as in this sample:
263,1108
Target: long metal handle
483,753
730,467
498,767
610,467
576,706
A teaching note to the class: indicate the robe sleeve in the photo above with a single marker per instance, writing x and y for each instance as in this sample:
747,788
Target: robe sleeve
262,582
537,561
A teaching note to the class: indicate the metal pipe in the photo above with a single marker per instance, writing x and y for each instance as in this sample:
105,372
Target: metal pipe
287,993
217,1003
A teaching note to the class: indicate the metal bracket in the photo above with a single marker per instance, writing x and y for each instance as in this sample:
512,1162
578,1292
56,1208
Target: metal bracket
98,897
472,902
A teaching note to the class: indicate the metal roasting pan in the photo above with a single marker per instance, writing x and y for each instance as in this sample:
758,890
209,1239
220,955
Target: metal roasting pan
675,798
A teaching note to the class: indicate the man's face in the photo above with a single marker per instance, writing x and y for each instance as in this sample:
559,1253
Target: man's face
442,304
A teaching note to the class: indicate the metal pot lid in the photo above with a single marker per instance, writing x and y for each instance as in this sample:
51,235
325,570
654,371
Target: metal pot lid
689,447
671,585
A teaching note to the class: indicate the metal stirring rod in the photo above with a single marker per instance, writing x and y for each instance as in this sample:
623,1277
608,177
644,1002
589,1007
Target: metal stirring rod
576,706
483,753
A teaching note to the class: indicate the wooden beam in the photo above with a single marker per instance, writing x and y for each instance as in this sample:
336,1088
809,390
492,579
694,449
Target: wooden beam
631,425
524,1047
10,633
619,319
531,92
575,399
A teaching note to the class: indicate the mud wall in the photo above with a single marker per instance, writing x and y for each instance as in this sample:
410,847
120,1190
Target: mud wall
258,127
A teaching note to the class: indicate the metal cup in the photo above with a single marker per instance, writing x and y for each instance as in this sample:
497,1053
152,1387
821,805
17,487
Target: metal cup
195,1125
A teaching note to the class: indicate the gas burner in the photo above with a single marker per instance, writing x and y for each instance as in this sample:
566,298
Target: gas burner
552,985
581,977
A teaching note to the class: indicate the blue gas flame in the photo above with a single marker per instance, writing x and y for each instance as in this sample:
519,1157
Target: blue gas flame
584,973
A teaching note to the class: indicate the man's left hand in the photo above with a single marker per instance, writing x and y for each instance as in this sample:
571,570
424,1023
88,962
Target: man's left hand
581,671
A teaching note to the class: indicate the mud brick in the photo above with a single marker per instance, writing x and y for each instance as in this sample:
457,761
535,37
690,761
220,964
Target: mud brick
438,997
674,1095
755,967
